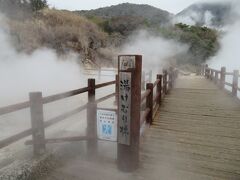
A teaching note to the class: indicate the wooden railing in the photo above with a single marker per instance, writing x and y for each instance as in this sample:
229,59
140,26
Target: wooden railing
163,84
36,102
219,77
143,105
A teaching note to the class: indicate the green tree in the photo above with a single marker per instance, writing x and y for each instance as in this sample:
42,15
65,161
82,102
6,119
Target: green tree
38,4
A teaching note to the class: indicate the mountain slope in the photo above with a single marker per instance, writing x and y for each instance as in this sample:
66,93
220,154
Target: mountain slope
152,14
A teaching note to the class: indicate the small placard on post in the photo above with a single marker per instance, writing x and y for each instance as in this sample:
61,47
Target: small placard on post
127,62
107,125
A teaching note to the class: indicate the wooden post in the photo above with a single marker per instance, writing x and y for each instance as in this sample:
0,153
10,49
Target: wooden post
164,82
91,120
223,77
149,103
235,82
37,121
143,80
199,70
171,78
211,75
130,68
159,89
202,70
216,77
206,71
116,88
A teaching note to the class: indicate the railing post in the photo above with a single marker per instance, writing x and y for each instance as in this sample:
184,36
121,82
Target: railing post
171,78
91,120
223,77
159,89
202,70
37,122
143,80
216,77
235,82
116,88
211,75
199,70
206,71
164,82
149,103
130,69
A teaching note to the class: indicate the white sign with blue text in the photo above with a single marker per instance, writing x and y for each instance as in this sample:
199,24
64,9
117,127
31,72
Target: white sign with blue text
107,125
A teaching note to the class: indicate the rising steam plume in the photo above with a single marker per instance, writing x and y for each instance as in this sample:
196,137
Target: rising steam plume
43,70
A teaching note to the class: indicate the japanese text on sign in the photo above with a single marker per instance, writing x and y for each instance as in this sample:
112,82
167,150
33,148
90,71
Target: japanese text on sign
124,108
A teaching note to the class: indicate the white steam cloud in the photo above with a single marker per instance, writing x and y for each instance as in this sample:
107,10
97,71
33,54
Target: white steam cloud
21,73
230,45
193,17
157,51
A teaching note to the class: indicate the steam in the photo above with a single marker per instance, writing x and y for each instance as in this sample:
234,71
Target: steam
157,51
193,17
42,70
230,43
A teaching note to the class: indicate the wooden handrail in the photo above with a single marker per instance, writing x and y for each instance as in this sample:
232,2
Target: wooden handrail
49,99
145,95
52,98
213,75
13,108
64,95
156,83
105,84
162,81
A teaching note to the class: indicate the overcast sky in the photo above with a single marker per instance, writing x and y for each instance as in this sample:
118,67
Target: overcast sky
173,6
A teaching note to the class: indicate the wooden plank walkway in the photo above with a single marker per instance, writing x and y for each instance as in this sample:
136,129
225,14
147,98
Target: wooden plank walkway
195,136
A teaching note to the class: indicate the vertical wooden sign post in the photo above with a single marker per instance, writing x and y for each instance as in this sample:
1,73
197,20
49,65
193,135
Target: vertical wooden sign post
129,70
37,121
223,77
235,82
92,144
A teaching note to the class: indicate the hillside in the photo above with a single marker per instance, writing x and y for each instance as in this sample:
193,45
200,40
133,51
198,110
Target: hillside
98,35
61,31
151,14
209,14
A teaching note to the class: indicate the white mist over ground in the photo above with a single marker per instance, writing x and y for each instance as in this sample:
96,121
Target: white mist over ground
43,70
157,52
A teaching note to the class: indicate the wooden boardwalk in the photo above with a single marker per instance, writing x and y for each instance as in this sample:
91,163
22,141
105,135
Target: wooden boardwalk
195,136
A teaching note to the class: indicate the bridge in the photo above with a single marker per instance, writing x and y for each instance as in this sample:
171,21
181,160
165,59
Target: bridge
180,128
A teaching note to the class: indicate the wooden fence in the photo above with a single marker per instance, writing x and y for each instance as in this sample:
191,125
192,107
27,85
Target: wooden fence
149,100
163,84
219,77
36,102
